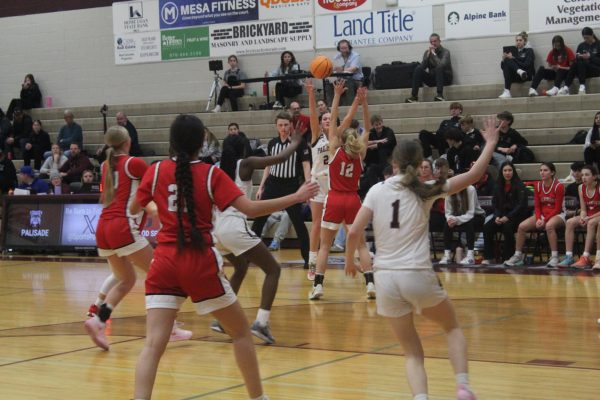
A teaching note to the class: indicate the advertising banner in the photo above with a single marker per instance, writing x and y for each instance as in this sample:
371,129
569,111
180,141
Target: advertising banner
32,224
184,43
137,48
375,28
420,3
135,16
278,9
79,224
558,15
477,18
338,6
182,13
261,37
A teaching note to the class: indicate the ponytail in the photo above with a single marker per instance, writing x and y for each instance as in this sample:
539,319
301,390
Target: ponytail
408,155
108,188
351,142
185,201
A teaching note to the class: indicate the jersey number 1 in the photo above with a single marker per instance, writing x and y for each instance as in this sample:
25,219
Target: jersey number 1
395,224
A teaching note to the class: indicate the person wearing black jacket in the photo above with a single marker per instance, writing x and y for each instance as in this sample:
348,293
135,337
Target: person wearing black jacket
22,126
435,69
509,142
35,145
587,62
382,142
122,120
31,96
519,67
437,140
8,174
510,209
460,155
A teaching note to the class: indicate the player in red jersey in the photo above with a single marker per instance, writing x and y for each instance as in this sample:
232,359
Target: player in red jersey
185,262
549,196
118,234
589,218
342,202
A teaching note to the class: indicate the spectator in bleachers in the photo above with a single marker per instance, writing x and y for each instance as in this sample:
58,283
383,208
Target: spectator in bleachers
485,185
472,135
510,142
76,163
87,182
437,216
589,218
287,87
435,69
460,155
463,214
211,150
348,60
322,107
300,121
510,209
70,133
231,87
30,182
31,96
36,145
437,140
256,148
558,63
57,186
8,174
21,130
572,188
591,152
122,120
519,67
549,215
426,171
382,142
587,62
53,163
5,128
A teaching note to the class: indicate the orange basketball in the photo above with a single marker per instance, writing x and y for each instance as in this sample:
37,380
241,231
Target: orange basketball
321,67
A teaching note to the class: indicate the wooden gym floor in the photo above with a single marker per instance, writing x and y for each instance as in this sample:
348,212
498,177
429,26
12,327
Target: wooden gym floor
532,335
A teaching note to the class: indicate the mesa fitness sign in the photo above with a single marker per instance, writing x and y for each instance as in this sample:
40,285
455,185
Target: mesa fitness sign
557,15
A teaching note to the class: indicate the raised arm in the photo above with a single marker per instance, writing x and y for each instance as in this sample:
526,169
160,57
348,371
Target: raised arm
248,165
338,89
363,91
349,116
312,106
490,134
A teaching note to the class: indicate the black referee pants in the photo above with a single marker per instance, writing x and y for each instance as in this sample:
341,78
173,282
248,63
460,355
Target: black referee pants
279,187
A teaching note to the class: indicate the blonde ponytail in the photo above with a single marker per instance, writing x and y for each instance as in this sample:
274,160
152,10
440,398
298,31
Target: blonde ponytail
351,142
115,138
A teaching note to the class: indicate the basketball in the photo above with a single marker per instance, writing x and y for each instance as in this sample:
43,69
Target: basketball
321,67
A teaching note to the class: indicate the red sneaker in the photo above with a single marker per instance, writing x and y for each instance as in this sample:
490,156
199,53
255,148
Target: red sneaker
92,311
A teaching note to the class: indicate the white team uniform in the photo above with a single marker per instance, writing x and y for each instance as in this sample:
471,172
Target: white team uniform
320,168
404,277
231,226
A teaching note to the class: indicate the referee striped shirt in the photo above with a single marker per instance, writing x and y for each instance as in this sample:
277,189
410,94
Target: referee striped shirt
292,167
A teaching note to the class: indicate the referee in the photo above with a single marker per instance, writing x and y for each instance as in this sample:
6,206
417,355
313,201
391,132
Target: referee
282,179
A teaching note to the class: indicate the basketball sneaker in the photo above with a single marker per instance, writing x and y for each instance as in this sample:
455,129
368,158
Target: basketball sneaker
464,393
566,262
312,270
216,326
552,92
93,310
583,262
445,260
178,334
316,293
263,332
515,261
95,328
553,262
564,91
596,265
370,291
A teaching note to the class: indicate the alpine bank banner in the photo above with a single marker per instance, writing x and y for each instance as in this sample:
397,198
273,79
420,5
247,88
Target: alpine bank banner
184,13
278,9
338,6
477,18
135,16
558,15
375,28
261,37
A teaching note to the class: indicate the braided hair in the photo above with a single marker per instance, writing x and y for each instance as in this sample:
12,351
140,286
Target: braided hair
186,139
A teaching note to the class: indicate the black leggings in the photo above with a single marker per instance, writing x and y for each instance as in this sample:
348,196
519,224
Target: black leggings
279,187
434,77
582,69
286,89
508,230
432,140
475,224
509,70
550,75
232,95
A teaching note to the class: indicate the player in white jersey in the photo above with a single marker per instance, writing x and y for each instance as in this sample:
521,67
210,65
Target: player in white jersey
405,280
319,143
236,241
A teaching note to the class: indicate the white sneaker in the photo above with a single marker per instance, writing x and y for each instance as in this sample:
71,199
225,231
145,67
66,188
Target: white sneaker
217,109
533,92
553,262
552,92
277,106
515,261
316,293
581,89
370,290
467,261
505,94
564,91
445,260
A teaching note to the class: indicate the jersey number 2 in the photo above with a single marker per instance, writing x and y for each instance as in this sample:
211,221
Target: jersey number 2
172,199
395,224
347,170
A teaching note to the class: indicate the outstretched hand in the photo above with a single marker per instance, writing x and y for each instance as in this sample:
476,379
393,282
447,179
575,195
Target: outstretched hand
298,132
350,268
339,86
307,191
361,94
491,132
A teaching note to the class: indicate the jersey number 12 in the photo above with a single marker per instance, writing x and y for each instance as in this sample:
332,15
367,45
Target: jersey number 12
347,170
